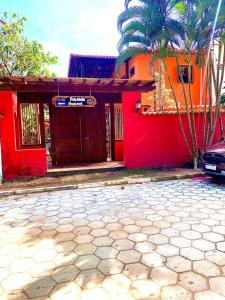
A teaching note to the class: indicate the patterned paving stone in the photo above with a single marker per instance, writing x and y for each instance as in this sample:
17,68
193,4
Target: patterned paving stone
170,232
137,237
208,295
192,253
65,273
40,287
217,285
103,241
143,223
213,237
21,265
96,224
206,268
145,247
116,284
123,244
191,234
81,230
106,252
167,250
220,246
203,245
16,295
137,240
152,260
163,276
129,256
180,242
114,226
87,262
178,263
43,269
118,234
95,293
158,239
136,271
131,228
192,281
145,289
66,291
201,228
83,238
99,232
175,292
89,279
150,230
84,249
110,266
16,281
65,258
216,256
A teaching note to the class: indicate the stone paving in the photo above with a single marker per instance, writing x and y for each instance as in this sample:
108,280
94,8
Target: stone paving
163,240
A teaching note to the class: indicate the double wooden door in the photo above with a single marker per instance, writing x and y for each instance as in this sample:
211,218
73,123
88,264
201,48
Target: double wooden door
78,135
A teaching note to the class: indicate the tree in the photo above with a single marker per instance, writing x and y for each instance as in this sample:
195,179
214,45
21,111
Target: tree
18,55
169,28
222,99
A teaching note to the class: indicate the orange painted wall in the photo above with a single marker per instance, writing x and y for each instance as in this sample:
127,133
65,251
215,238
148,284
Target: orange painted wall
141,63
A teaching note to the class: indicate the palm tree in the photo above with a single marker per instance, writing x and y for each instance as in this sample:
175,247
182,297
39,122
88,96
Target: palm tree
162,28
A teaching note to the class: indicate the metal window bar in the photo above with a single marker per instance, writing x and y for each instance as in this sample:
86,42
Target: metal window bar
30,124
108,132
118,121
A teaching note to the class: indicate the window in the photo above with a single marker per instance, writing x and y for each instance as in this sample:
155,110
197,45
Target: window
184,74
30,124
118,121
132,71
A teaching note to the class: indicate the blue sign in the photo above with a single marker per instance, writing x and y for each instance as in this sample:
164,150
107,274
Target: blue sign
74,101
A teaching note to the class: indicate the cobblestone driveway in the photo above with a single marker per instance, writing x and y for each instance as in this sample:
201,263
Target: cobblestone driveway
152,241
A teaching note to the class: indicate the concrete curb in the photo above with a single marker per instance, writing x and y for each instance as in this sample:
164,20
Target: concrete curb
97,184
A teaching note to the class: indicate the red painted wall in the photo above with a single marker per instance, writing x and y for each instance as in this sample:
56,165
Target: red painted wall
119,151
153,141
17,163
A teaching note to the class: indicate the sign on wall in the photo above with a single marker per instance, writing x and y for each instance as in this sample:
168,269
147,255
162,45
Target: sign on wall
74,101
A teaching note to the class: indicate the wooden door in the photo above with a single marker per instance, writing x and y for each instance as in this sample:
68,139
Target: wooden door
78,135
66,142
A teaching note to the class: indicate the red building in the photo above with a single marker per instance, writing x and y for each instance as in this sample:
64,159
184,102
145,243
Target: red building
88,117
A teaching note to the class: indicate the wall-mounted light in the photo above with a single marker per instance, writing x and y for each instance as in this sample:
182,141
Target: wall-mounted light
138,106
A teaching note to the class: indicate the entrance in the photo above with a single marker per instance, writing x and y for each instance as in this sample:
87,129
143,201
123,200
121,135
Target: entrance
72,135
77,135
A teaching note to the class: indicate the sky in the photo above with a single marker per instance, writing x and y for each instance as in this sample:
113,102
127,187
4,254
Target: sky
70,26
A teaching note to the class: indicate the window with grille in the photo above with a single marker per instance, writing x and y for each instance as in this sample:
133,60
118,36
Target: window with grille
118,121
185,74
30,124
132,72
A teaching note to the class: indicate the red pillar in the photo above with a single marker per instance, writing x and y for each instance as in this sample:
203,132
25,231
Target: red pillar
17,162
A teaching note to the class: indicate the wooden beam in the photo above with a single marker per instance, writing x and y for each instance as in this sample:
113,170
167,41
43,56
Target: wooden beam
44,87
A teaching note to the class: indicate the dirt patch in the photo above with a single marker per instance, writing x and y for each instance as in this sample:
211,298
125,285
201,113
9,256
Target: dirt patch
94,177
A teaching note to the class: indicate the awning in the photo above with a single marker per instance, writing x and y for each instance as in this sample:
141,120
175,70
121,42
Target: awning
70,84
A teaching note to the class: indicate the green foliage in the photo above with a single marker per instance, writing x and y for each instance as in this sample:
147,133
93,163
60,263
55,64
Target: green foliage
18,55
222,99
152,24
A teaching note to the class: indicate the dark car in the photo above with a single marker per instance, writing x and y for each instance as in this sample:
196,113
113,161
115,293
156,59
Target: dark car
213,162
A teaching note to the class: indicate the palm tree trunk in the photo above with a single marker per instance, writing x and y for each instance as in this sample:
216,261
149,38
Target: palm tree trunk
205,125
177,107
191,102
218,86
193,142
